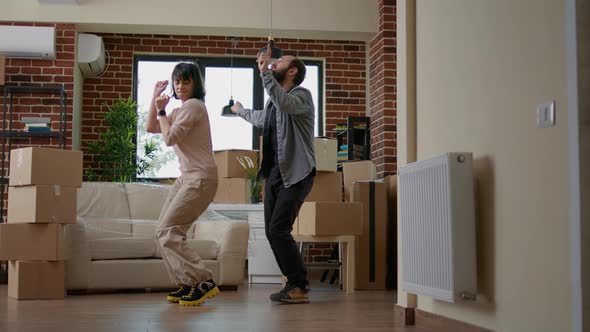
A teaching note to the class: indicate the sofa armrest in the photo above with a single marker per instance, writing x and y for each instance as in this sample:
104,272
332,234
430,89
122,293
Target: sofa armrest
77,255
232,237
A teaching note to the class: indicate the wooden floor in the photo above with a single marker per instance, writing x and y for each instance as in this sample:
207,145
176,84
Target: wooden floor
247,309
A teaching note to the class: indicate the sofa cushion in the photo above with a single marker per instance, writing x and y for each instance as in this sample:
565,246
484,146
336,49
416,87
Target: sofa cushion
146,200
105,228
122,248
144,228
206,249
102,199
147,228
211,215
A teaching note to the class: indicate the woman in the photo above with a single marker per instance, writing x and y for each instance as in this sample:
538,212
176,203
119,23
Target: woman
187,130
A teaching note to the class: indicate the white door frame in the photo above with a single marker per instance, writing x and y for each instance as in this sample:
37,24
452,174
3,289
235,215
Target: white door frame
578,82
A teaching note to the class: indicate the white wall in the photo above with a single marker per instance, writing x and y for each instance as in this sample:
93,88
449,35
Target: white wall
482,68
332,19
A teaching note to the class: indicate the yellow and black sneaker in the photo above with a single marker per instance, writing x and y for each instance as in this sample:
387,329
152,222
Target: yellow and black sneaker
198,293
174,296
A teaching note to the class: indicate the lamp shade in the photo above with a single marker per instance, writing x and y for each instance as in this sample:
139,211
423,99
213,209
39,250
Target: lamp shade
226,111
275,52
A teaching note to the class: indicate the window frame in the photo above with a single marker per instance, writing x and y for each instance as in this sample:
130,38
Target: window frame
203,62
225,61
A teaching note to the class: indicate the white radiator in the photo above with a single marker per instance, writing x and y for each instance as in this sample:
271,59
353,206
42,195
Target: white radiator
437,225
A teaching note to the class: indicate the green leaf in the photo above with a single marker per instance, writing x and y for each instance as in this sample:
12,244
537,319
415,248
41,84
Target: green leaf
115,151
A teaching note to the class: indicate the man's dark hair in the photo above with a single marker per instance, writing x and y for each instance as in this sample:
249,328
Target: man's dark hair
189,71
300,76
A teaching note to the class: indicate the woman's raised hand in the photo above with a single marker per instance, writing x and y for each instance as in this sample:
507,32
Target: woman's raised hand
160,87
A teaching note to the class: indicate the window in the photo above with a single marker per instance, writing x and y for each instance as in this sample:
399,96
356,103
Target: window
148,72
312,83
226,132
229,132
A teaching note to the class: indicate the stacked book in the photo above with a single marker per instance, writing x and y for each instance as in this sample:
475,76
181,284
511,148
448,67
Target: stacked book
36,125
358,152
343,153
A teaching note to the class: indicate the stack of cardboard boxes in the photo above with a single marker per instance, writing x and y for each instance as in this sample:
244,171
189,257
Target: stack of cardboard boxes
233,184
324,212
372,261
41,198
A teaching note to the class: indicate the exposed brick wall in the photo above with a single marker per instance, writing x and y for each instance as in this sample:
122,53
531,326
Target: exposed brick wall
345,79
383,98
318,252
44,73
33,72
345,71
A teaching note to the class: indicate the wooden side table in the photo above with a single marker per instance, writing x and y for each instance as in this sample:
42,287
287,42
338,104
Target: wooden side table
348,249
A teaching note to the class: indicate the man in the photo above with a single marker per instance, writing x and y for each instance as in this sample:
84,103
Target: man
288,163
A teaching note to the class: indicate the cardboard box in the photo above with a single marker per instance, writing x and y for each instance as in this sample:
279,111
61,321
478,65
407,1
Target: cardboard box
42,166
228,165
232,190
31,242
330,218
327,187
354,171
42,204
30,280
371,244
2,69
391,274
326,154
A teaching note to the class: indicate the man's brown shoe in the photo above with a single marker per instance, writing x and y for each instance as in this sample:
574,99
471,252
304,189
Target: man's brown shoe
291,294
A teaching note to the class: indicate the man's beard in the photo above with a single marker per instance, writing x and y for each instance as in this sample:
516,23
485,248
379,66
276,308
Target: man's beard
280,75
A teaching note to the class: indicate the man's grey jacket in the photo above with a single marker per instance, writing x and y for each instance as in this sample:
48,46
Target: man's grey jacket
295,116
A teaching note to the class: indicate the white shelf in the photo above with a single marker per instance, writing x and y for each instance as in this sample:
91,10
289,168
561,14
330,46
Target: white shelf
262,266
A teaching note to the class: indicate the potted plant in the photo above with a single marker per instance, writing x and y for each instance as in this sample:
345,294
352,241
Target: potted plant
254,184
115,152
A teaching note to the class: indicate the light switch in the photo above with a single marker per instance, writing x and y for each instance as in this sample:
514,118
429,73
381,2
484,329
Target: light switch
546,114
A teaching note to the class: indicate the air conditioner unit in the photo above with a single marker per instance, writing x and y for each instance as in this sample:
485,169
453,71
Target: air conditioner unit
27,42
91,54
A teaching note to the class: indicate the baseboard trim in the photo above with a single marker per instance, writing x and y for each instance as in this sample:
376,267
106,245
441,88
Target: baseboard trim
224,288
428,319
114,291
404,316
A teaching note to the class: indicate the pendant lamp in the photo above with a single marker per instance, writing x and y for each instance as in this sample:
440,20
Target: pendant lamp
275,51
226,111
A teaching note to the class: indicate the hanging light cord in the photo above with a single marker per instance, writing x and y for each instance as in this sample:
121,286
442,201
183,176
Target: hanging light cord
231,68
270,32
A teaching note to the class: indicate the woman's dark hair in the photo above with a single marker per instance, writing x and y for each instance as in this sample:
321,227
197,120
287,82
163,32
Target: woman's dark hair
185,71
